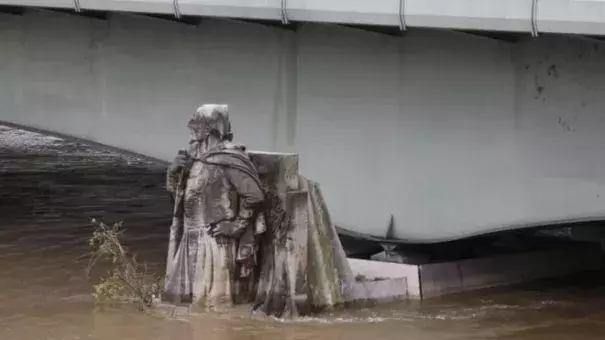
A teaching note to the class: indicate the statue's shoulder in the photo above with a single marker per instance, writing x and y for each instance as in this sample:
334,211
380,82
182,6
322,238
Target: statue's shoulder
230,154
235,147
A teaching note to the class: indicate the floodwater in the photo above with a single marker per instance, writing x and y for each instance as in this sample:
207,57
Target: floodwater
50,189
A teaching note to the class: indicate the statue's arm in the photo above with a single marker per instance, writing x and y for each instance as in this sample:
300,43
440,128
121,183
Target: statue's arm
251,195
172,178
181,163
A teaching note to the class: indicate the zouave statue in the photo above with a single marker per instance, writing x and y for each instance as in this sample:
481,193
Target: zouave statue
217,199
247,228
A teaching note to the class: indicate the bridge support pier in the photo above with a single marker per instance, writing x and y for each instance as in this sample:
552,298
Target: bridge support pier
434,279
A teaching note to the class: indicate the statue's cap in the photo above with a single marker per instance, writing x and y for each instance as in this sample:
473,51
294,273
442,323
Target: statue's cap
212,117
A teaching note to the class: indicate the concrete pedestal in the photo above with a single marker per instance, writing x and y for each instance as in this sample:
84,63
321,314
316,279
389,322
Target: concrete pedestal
437,279
301,252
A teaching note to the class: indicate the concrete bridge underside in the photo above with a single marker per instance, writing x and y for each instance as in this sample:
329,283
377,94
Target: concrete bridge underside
452,134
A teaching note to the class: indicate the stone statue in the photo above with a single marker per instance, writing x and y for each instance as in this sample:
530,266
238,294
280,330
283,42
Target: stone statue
217,198
247,228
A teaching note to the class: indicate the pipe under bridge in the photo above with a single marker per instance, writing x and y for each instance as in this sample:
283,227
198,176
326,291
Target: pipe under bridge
453,134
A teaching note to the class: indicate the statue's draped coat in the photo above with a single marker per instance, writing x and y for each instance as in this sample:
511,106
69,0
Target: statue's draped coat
220,189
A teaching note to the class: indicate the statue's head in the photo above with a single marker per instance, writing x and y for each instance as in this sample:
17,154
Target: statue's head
210,120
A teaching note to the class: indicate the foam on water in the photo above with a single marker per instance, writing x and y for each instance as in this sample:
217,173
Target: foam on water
335,320
25,140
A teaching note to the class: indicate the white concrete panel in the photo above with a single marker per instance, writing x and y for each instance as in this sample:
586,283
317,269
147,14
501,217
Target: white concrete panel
133,82
560,129
40,3
379,12
250,9
141,6
571,16
382,290
56,88
455,146
348,122
155,77
492,15
11,97
371,270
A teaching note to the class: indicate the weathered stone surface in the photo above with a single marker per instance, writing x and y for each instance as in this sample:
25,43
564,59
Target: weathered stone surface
297,242
304,254
378,290
283,246
279,168
217,193
329,275
291,247
367,270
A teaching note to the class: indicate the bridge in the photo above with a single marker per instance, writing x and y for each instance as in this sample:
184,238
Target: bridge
531,16
456,117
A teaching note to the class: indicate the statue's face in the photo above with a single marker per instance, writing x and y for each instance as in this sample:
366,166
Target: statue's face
207,119
197,133
196,141
194,135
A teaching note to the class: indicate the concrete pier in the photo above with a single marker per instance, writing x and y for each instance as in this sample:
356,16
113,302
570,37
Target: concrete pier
441,278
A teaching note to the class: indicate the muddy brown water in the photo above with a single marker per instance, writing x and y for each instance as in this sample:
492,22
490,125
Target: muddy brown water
50,189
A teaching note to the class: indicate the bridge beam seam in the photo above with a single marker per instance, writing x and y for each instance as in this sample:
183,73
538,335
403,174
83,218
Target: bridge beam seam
402,25
534,18
284,12
176,11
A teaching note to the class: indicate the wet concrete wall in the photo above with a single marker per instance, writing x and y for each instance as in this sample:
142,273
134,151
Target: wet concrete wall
455,135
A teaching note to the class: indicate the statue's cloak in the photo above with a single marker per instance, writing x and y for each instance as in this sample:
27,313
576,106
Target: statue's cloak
237,166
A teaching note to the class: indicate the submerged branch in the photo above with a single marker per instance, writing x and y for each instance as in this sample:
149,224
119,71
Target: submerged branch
127,280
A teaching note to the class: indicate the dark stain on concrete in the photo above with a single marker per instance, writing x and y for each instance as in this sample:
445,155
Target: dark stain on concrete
552,71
